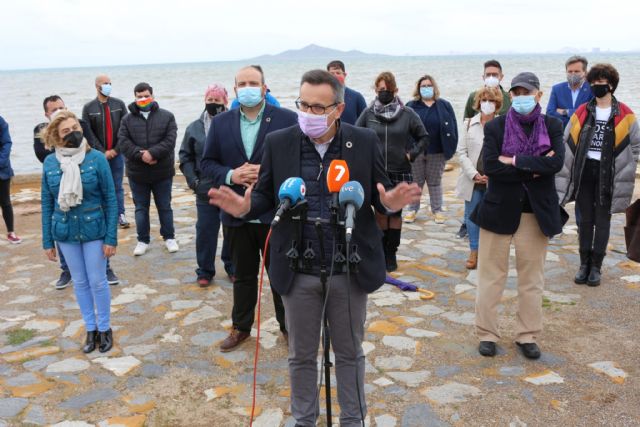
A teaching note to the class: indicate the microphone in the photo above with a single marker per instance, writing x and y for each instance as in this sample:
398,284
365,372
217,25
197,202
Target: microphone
291,192
337,176
351,198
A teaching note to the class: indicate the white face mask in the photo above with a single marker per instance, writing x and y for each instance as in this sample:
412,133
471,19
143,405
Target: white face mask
487,107
491,81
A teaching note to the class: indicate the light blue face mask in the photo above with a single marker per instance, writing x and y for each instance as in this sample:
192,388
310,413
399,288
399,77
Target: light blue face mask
426,92
105,89
250,96
523,104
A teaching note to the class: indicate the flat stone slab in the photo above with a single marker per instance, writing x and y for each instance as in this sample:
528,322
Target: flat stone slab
451,393
400,343
118,365
611,370
73,328
43,325
421,333
90,397
421,415
401,363
411,379
72,364
428,310
466,318
12,406
269,418
73,424
204,313
125,298
185,304
544,378
140,350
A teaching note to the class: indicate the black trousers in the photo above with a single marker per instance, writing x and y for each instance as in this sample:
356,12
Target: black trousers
595,219
247,243
5,203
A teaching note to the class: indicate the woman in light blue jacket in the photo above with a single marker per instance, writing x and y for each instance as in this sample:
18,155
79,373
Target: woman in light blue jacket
80,213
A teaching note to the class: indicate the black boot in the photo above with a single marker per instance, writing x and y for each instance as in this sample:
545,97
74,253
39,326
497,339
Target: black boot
594,271
585,265
106,341
90,343
393,241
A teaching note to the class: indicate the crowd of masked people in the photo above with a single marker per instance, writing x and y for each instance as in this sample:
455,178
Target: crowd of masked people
518,168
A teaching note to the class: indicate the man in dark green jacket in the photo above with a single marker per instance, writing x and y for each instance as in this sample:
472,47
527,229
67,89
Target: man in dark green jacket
492,77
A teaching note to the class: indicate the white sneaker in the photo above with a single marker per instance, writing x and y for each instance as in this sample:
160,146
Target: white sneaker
141,249
172,245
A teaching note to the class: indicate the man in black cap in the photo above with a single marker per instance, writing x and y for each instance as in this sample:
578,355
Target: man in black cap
522,152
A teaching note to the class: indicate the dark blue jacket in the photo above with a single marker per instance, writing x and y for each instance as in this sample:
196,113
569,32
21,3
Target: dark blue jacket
561,98
96,218
448,124
6,171
282,160
224,149
354,106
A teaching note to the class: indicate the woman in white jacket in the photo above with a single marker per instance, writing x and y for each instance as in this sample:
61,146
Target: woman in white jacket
472,183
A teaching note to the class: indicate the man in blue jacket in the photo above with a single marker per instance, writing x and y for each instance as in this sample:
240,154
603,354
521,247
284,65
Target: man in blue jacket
354,103
232,156
567,96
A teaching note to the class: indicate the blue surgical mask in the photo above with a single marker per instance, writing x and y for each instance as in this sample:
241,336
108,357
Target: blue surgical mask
426,92
250,96
523,104
105,89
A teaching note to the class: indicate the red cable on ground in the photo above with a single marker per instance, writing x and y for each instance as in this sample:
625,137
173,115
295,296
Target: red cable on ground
255,359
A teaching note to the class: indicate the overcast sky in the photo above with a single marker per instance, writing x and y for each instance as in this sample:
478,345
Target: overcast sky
69,33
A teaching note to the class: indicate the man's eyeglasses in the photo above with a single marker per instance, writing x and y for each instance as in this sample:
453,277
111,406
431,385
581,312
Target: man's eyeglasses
315,108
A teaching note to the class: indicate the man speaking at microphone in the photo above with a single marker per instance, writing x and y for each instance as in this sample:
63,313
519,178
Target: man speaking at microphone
307,150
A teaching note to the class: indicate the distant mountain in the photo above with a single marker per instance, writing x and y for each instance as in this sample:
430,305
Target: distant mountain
314,51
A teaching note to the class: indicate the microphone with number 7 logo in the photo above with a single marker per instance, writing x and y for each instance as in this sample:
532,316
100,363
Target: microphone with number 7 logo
351,198
337,176
291,192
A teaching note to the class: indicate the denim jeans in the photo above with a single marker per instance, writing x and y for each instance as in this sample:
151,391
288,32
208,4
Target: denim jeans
141,192
117,172
87,265
207,229
63,261
472,229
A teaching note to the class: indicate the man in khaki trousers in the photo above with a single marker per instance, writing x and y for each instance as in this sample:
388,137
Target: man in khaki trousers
522,152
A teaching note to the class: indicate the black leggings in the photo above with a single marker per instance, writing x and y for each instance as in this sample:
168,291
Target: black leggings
595,219
5,203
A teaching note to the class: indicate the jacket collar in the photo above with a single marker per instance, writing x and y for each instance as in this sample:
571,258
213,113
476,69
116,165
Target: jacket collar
615,106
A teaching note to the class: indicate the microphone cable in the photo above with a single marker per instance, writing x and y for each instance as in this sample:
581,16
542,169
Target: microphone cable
353,337
255,358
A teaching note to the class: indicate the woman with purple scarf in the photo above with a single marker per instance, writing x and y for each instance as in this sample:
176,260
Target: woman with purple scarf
522,152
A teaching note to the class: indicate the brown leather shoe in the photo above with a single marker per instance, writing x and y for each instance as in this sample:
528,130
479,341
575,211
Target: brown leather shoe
234,339
472,262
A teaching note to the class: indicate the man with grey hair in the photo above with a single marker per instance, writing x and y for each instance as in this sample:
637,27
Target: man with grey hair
307,151
232,158
567,96
103,114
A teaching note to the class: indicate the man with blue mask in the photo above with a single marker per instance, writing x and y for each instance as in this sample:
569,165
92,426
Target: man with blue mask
568,95
522,152
270,99
231,157
103,114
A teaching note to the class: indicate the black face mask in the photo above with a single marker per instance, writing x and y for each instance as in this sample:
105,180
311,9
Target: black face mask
214,108
385,96
73,139
600,90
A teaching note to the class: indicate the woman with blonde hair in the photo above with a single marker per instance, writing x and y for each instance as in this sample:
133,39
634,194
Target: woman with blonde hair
439,120
472,182
80,213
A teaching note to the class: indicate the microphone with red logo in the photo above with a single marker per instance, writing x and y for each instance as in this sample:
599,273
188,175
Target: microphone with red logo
337,176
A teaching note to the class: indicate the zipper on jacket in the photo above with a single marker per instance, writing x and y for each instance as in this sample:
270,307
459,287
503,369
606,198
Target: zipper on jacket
321,170
386,149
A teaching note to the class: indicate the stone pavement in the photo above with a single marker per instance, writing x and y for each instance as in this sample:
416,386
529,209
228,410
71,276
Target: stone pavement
422,365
